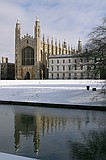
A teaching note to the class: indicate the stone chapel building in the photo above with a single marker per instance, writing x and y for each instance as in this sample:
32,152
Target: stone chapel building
32,53
30,61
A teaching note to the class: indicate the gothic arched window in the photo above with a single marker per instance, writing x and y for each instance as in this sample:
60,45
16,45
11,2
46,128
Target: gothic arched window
28,56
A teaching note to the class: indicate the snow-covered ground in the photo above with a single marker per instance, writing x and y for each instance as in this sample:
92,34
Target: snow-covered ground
53,91
5,156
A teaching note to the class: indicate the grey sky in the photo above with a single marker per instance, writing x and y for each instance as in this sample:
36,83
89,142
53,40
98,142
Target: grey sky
60,19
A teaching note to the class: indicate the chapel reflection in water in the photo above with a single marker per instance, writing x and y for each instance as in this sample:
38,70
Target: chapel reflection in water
40,125
28,125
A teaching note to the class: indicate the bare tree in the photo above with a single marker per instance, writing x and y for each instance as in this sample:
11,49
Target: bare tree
96,48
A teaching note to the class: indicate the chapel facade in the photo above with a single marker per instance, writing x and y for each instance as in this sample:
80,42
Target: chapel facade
30,62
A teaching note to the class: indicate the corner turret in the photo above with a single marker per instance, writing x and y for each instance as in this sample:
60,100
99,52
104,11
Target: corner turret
79,46
37,38
17,30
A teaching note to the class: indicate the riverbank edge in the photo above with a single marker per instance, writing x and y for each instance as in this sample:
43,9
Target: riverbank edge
54,105
8,156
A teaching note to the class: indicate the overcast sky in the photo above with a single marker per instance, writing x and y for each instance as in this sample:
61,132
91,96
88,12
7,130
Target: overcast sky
60,19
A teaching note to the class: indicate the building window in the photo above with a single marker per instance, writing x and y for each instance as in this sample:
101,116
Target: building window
56,50
62,51
57,68
28,56
69,76
57,75
63,75
52,50
41,56
63,61
63,68
75,60
52,68
52,61
59,50
69,67
75,67
57,61
69,60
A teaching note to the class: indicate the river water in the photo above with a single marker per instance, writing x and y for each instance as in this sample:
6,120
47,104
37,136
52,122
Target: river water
53,134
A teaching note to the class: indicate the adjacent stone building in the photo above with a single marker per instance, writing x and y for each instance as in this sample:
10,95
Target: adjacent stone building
7,70
65,67
72,66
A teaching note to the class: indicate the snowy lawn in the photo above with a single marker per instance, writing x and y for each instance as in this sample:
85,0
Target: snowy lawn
53,91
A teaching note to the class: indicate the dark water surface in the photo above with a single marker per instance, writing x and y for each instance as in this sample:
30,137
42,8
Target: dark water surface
53,134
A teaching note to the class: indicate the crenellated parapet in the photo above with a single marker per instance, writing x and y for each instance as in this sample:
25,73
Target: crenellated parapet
27,36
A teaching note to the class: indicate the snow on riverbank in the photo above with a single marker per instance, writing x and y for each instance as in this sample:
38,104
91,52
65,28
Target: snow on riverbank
5,156
53,91
32,82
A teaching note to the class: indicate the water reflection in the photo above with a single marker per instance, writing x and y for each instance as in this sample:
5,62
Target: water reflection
93,146
53,133
37,125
